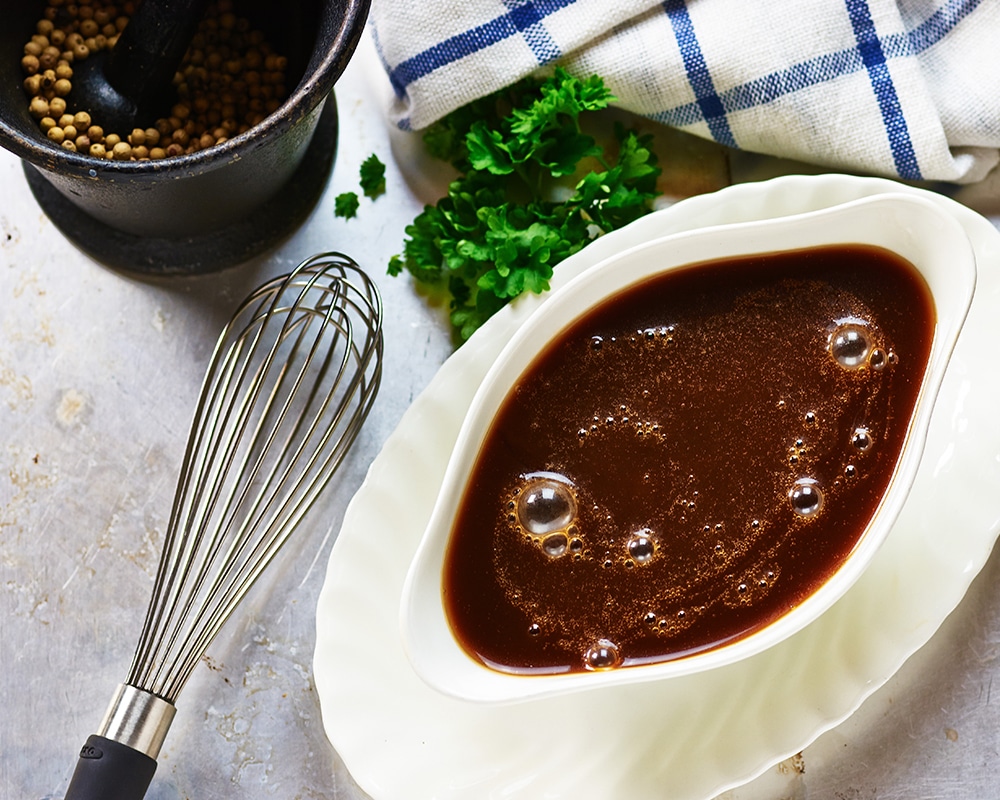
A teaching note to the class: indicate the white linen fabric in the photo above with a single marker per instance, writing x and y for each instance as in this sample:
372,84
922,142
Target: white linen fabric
904,88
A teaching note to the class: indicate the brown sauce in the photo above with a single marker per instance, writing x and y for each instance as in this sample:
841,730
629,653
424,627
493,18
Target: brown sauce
688,461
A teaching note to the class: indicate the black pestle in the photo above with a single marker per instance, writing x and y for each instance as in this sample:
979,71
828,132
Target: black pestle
132,84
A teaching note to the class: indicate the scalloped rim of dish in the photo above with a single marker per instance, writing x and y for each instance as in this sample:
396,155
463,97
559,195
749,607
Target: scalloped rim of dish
399,738
911,227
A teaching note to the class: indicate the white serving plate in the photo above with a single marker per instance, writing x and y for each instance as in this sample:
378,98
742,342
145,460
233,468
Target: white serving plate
696,735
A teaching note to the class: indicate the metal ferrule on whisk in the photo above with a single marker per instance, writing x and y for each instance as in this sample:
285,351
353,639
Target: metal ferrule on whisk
137,719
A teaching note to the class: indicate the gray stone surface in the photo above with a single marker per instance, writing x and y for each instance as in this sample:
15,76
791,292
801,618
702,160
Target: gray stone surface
99,374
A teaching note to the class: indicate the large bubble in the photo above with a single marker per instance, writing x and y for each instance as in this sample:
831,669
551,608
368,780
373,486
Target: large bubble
641,546
850,343
861,439
806,497
602,655
546,504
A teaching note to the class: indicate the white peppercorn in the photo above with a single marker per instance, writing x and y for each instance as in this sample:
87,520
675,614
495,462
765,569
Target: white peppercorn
39,107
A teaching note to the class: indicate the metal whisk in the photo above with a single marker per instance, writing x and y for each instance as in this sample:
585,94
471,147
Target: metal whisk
292,379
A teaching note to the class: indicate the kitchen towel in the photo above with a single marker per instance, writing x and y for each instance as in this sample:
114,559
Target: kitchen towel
905,88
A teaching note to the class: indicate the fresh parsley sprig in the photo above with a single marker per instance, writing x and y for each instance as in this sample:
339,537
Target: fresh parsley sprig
503,226
371,178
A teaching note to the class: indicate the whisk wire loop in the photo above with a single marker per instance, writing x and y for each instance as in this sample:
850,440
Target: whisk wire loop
289,386
260,511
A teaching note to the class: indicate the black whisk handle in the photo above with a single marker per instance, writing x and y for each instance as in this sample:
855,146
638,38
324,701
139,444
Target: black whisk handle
110,770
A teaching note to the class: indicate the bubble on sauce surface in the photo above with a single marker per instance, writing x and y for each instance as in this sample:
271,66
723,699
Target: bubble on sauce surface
555,545
806,497
862,440
850,343
641,546
546,504
602,655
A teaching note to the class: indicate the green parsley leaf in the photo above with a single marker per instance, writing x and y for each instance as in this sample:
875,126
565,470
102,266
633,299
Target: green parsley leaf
372,177
346,205
501,229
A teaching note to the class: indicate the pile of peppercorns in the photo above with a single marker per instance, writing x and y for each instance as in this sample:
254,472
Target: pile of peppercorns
229,80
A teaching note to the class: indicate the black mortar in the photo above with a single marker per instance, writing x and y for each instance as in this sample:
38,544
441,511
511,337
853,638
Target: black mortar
211,209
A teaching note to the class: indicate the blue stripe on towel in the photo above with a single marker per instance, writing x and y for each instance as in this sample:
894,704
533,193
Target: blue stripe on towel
830,66
826,67
521,17
799,76
708,102
527,18
940,24
873,57
531,24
